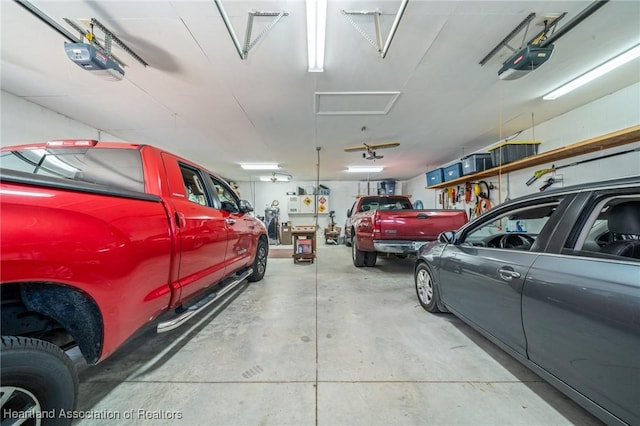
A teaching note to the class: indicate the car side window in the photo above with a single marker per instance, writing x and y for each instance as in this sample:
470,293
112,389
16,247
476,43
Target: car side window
611,231
228,199
516,229
194,186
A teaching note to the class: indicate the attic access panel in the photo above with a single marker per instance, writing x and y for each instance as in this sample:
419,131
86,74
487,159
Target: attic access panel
354,103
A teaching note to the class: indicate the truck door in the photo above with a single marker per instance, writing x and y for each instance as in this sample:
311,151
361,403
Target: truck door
201,228
241,244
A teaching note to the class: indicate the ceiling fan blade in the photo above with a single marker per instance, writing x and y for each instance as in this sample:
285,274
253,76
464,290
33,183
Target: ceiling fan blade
384,145
357,148
371,147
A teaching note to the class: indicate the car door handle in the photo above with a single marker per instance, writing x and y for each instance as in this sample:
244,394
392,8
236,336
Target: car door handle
508,274
230,221
422,216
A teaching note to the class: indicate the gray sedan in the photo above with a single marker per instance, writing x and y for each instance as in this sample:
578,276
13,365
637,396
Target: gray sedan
554,279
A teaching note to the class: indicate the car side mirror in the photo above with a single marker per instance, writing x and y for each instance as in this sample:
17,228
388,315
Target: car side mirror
447,237
245,206
348,212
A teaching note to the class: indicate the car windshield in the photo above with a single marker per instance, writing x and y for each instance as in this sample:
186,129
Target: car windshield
385,203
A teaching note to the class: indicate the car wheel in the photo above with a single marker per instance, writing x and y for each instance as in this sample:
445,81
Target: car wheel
370,258
356,254
37,376
260,261
426,288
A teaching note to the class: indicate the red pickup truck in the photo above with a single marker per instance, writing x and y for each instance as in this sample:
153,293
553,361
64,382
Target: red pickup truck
100,239
389,224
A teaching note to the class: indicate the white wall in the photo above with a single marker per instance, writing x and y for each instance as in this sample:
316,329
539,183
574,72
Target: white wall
262,194
24,122
617,111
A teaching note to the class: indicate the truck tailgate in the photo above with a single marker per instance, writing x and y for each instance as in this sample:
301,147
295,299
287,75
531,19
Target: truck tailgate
418,225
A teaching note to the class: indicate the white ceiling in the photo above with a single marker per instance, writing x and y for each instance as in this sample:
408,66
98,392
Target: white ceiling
199,99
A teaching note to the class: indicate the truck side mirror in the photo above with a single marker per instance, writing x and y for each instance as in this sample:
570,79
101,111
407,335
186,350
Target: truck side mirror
245,206
348,212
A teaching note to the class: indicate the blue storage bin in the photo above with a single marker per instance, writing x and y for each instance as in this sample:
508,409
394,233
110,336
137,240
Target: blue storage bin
453,171
435,176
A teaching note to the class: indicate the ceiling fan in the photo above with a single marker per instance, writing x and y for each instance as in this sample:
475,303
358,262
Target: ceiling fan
370,149
276,177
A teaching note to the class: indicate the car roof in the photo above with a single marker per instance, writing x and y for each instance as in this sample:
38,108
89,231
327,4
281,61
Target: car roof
626,182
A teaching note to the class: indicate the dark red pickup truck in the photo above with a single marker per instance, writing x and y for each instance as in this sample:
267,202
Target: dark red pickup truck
100,239
389,224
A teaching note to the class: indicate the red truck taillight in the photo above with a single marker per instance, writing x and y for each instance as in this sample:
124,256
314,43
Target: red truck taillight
377,223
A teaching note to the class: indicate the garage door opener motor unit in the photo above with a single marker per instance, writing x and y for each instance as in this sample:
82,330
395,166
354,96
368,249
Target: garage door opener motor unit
90,58
524,61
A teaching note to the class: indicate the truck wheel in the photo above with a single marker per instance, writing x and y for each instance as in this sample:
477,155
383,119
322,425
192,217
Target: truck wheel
356,254
426,288
260,262
370,258
36,376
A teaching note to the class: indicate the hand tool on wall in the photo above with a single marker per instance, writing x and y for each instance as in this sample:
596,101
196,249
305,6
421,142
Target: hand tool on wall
547,184
539,173
467,192
483,197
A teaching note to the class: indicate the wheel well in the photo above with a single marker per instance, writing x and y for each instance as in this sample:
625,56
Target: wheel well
55,313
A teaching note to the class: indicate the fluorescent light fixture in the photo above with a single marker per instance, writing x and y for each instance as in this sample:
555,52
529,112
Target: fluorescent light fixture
610,65
364,169
260,166
316,30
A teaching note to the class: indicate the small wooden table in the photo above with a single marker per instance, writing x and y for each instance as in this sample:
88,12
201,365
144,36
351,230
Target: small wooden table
304,243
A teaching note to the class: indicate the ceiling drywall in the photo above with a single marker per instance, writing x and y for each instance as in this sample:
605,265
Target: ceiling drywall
198,99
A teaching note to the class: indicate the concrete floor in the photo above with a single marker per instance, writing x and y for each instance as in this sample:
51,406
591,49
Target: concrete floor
321,344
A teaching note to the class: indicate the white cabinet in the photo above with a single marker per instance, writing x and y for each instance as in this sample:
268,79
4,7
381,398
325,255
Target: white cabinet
308,204
323,204
293,204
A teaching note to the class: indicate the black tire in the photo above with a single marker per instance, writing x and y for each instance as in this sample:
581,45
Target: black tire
347,238
426,288
370,258
36,373
260,261
356,254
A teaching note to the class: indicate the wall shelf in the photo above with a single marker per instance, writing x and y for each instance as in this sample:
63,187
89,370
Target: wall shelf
599,143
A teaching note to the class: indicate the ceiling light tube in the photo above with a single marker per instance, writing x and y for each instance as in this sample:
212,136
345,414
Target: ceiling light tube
260,166
316,29
610,65
364,169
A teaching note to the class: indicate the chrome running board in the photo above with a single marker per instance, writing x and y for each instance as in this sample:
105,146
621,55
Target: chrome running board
203,303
